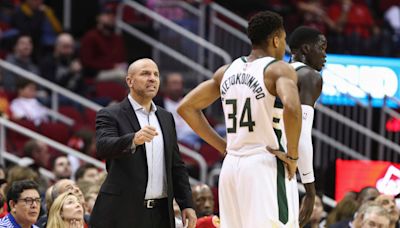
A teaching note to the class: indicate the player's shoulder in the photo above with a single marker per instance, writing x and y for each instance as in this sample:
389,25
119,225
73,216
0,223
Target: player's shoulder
278,68
309,75
219,73
279,65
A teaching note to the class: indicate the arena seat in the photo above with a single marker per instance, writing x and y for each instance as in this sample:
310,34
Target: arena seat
56,131
112,90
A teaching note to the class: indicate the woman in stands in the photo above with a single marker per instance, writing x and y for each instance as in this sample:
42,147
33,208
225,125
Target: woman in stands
66,211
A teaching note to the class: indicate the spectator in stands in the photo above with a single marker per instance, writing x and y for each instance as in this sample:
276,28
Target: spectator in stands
4,103
3,180
369,215
389,204
172,94
83,141
314,15
26,105
66,211
90,198
391,31
39,152
343,213
3,206
24,202
18,173
60,187
37,20
102,50
7,32
66,185
62,67
48,199
62,168
21,57
367,194
355,26
203,202
318,214
87,172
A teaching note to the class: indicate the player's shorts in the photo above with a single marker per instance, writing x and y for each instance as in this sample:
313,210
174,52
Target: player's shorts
255,192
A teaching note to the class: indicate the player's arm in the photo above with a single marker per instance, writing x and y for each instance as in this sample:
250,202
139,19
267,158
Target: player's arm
281,80
191,106
310,87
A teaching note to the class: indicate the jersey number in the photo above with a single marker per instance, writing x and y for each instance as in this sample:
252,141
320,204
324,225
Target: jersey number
246,112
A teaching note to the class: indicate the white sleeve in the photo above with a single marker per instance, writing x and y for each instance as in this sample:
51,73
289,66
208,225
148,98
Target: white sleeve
16,110
305,163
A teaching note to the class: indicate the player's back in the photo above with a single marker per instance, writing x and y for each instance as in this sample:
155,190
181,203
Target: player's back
248,107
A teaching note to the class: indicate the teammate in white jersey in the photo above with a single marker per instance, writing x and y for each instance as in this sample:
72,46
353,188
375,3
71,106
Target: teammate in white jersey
308,48
255,190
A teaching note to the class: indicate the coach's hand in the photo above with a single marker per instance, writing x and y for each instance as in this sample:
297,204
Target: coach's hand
189,218
291,164
146,134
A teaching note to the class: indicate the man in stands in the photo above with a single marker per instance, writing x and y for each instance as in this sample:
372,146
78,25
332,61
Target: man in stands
62,67
62,168
38,151
87,172
203,200
103,51
370,214
388,202
21,57
172,95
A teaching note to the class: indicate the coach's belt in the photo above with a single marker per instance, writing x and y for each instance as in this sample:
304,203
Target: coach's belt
153,203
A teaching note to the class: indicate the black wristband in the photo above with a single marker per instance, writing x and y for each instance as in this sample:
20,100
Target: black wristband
293,159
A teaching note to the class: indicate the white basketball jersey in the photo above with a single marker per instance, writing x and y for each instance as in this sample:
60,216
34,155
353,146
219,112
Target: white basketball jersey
248,107
278,123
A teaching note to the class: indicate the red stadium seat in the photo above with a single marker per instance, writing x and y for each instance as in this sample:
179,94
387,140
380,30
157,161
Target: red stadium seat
210,154
112,90
90,118
15,140
56,131
74,114
216,204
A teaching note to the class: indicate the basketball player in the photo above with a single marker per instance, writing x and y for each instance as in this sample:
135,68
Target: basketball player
308,48
253,190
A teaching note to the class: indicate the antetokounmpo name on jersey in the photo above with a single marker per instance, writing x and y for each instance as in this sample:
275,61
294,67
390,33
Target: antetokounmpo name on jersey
243,79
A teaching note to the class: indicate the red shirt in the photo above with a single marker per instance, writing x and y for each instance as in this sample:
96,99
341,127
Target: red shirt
5,211
101,52
359,19
211,221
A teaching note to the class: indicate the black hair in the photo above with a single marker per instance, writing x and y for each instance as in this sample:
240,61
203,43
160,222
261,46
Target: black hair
303,35
80,172
53,164
31,146
18,37
23,82
263,25
364,191
14,192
